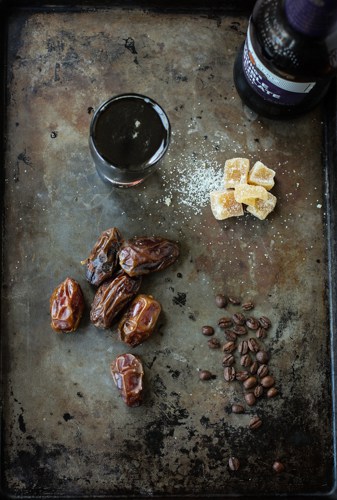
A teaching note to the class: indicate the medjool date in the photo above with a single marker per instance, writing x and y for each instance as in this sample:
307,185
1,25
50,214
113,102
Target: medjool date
66,306
139,321
111,297
103,259
127,373
144,255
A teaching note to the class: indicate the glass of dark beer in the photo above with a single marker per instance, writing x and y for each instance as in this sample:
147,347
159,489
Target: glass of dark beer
129,134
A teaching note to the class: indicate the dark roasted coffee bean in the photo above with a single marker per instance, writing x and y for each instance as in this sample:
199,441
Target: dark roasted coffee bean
241,375
267,381
205,375
228,360
233,463
265,322
250,382
229,373
221,301
239,319
261,333
253,345
245,360
254,367
229,346
255,423
250,399
236,408
243,347
248,306
225,322
252,323
234,300
278,467
258,391
213,343
262,371
272,392
262,357
239,330
230,335
207,330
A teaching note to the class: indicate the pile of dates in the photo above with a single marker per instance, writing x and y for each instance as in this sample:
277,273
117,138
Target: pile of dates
116,267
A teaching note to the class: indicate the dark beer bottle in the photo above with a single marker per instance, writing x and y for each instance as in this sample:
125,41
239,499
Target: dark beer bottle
289,58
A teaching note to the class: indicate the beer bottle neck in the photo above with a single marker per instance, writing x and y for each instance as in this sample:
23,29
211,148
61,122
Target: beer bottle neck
315,18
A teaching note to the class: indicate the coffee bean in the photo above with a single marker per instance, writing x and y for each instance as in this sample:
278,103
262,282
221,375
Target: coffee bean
255,423
258,391
228,360
225,322
243,347
267,381
241,375
239,330
262,357
250,399
229,346
252,323
234,300
236,408
233,463
250,382
261,333
245,360
254,367
213,343
278,467
205,375
207,330
253,345
248,306
272,392
221,301
265,322
229,373
262,371
239,319
230,335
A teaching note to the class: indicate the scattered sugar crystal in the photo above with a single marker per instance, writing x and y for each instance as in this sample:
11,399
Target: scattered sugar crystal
195,179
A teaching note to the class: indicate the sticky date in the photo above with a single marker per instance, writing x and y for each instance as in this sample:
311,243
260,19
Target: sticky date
103,259
144,255
139,321
111,297
66,306
127,373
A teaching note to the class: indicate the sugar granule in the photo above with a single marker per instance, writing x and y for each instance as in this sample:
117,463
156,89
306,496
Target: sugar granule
195,178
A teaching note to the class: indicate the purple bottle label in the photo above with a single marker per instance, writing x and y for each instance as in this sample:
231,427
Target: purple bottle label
269,85
315,18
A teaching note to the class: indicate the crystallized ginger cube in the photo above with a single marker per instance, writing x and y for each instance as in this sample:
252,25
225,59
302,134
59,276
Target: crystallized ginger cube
263,208
224,205
260,175
236,172
247,194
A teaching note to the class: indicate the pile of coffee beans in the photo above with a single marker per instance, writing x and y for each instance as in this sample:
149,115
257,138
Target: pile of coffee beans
245,359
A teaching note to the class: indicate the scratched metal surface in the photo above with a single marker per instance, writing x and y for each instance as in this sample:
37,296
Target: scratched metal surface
65,430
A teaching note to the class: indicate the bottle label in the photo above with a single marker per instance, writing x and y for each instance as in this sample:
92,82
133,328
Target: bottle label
269,85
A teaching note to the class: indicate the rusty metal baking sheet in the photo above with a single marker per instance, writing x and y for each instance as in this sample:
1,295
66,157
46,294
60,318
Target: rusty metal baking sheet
66,432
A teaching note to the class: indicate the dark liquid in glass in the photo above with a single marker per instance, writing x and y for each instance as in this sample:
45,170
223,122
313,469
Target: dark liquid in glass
131,133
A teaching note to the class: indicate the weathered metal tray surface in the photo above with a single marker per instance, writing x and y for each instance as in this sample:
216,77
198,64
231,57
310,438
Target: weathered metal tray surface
66,432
